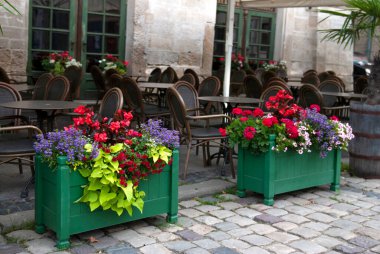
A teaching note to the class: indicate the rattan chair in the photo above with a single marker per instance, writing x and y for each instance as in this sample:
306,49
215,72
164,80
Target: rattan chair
277,82
188,78
309,94
311,78
57,88
99,81
114,81
335,105
323,76
112,101
40,86
271,91
195,137
360,84
195,75
237,80
266,76
281,73
252,86
309,71
74,74
169,76
210,86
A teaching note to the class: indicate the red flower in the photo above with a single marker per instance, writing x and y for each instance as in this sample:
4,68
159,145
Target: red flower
249,132
81,110
243,119
221,59
237,111
78,121
334,118
247,112
125,63
258,112
223,132
114,126
270,121
100,137
315,107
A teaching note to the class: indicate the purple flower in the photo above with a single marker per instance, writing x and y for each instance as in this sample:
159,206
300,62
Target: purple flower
159,134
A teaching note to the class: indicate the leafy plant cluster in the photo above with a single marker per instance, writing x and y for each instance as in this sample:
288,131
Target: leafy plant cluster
56,63
237,62
296,128
112,62
273,65
113,157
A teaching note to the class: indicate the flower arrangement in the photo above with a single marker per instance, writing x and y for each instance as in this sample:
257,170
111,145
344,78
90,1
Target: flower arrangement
112,62
113,157
297,129
237,62
56,63
273,65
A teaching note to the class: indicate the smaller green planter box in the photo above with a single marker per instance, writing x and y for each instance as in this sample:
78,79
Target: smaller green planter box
274,172
58,189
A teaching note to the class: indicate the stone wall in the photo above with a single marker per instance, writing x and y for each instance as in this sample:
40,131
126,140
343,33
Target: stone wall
14,41
165,33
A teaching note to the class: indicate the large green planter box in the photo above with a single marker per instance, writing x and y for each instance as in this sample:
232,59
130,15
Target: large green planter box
274,172
58,189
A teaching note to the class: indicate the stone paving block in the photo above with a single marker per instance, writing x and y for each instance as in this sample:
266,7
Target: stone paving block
262,229
308,196
279,248
144,223
256,250
222,214
355,180
219,235
155,249
171,228
285,225
327,241
189,235
317,207
228,197
104,242
209,199
363,204
149,230
344,207
297,219
247,212
189,203
348,249
346,224
24,235
256,240
324,201
179,246
196,251
376,249
11,248
226,226
318,226
282,204
321,217
299,201
376,208
186,222
201,229
122,248
40,246
241,221
260,207
209,220
230,205
190,212
268,219
207,208
370,232
305,232
165,236
326,194
356,218
308,247
282,237
364,212
364,242
239,232
83,249
338,232
133,238
276,212
336,213
300,210
207,244
235,244
249,200
224,250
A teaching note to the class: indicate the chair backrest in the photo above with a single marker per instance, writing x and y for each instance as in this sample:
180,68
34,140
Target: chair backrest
169,76
178,110
252,86
112,101
4,76
189,96
323,76
40,86
238,76
132,94
309,94
188,78
360,84
338,80
270,91
311,78
277,82
74,74
155,75
330,86
114,80
196,77
99,80
8,94
309,71
210,86
331,72
265,76
57,88
107,75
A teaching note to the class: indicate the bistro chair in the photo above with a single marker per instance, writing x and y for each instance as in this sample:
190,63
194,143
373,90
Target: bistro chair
195,75
114,80
40,86
112,101
281,73
195,137
99,81
336,106
150,95
252,86
188,78
237,79
169,76
311,78
360,84
323,76
309,94
266,75
210,86
271,91
74,74
275,81
309,71
339,81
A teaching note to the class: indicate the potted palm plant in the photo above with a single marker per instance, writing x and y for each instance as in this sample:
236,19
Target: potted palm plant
98,173
289,149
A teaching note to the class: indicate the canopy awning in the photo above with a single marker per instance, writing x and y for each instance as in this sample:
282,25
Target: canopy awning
290,3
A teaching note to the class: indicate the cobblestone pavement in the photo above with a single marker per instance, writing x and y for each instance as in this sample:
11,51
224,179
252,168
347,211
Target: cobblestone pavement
311,221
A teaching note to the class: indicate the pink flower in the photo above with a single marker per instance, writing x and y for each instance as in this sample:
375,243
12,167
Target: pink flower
249,132
334,118
100,137
223,132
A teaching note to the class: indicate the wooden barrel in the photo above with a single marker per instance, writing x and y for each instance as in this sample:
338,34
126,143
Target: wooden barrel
364,149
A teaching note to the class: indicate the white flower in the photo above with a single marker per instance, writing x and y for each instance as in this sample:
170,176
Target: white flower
52,61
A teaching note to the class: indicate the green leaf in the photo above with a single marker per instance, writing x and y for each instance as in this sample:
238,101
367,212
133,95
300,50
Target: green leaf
139,203
97,173
95,185
94,205
92,196
85,172
106,196
128,191
116,148
118,210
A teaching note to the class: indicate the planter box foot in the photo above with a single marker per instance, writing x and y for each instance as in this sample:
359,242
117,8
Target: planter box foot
40,229
62,245
335,187
172,218
240,193
268,201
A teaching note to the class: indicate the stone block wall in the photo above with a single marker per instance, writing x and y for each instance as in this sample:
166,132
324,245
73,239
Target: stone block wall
165,33
14,41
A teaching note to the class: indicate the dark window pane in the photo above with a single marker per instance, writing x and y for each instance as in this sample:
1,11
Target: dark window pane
41,18
61,19
235,48
63,4
40,39
264,52
95,23
96,6
41,2
255,21
266,24
221,18
236,34
220,33
92,60
94,43
219,48
254,37
112,45
113,6
265,38
253,51
60,41
37,58
112,25
236,20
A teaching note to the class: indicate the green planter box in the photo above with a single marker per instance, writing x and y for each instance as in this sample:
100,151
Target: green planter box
58,189
274,172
